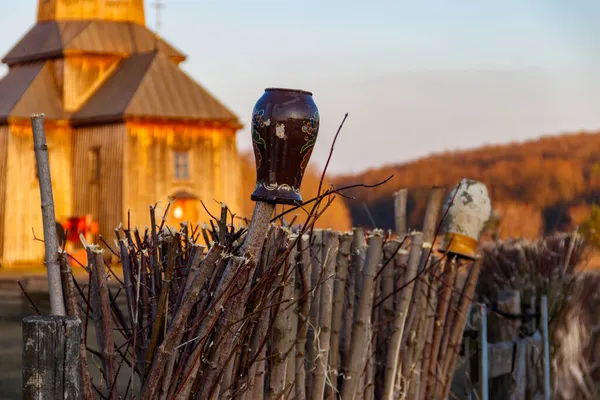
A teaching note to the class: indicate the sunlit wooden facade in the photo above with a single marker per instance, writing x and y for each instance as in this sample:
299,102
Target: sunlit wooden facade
126,127
110,10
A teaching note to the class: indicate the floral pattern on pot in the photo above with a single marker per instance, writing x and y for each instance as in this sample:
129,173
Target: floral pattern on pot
309,127
257,140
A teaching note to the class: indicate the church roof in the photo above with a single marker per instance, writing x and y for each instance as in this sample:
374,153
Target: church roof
147,85
29,89
147,82
150,85
52,39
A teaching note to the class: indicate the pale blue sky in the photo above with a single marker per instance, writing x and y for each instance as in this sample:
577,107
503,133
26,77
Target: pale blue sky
415,76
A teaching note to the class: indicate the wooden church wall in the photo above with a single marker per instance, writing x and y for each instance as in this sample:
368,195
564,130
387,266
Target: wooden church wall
22,214
3,154
103,172
231,172
98,175
145,175
150,169
22,195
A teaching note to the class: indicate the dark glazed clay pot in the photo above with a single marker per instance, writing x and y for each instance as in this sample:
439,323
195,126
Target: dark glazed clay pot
285,123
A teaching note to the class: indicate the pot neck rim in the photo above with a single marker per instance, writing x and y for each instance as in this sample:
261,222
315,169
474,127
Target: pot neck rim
276,89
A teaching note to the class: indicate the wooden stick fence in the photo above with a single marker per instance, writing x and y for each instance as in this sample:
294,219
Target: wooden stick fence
267,312
512,362
321,314
262,312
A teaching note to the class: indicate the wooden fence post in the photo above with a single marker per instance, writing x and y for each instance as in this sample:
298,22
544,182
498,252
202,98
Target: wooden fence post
51,368
483,353
546,341
57,303
533,352
503,329
400,201
467,342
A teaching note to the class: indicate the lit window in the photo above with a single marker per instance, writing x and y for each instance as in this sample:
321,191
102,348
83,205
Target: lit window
182,166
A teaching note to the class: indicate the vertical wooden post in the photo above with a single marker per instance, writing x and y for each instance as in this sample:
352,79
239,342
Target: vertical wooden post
458,325
73,312
57,304
432,213
257,232
467,346
546,340
395,344
483,351
400,201
315,305
358,348
337,313
51,368
502,329
533,352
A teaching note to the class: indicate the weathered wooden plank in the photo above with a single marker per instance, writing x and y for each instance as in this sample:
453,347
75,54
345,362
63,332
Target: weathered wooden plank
519,373
502,329
51,357
501,356
533,353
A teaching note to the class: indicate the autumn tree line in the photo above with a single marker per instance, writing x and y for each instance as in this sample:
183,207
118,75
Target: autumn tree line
538,186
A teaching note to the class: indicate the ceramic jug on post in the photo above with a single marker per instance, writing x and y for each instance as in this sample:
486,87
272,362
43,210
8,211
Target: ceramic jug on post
468,208
285,124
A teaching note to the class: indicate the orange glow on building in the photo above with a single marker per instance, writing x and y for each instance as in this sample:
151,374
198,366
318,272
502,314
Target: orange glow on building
125,126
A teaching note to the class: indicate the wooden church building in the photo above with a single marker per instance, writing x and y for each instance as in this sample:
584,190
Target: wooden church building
126,127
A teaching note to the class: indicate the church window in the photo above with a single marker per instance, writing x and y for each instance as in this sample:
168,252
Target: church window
94,164
182,165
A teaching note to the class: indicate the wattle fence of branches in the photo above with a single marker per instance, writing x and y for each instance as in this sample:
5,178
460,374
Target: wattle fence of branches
269,311
322,314
258,312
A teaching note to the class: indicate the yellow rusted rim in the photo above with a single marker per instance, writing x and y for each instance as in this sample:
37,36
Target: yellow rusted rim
458,244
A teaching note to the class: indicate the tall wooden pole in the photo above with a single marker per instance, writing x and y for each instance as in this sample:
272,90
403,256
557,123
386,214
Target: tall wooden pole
57,304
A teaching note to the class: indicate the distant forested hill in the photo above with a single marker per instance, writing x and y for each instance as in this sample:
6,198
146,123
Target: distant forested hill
538,186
